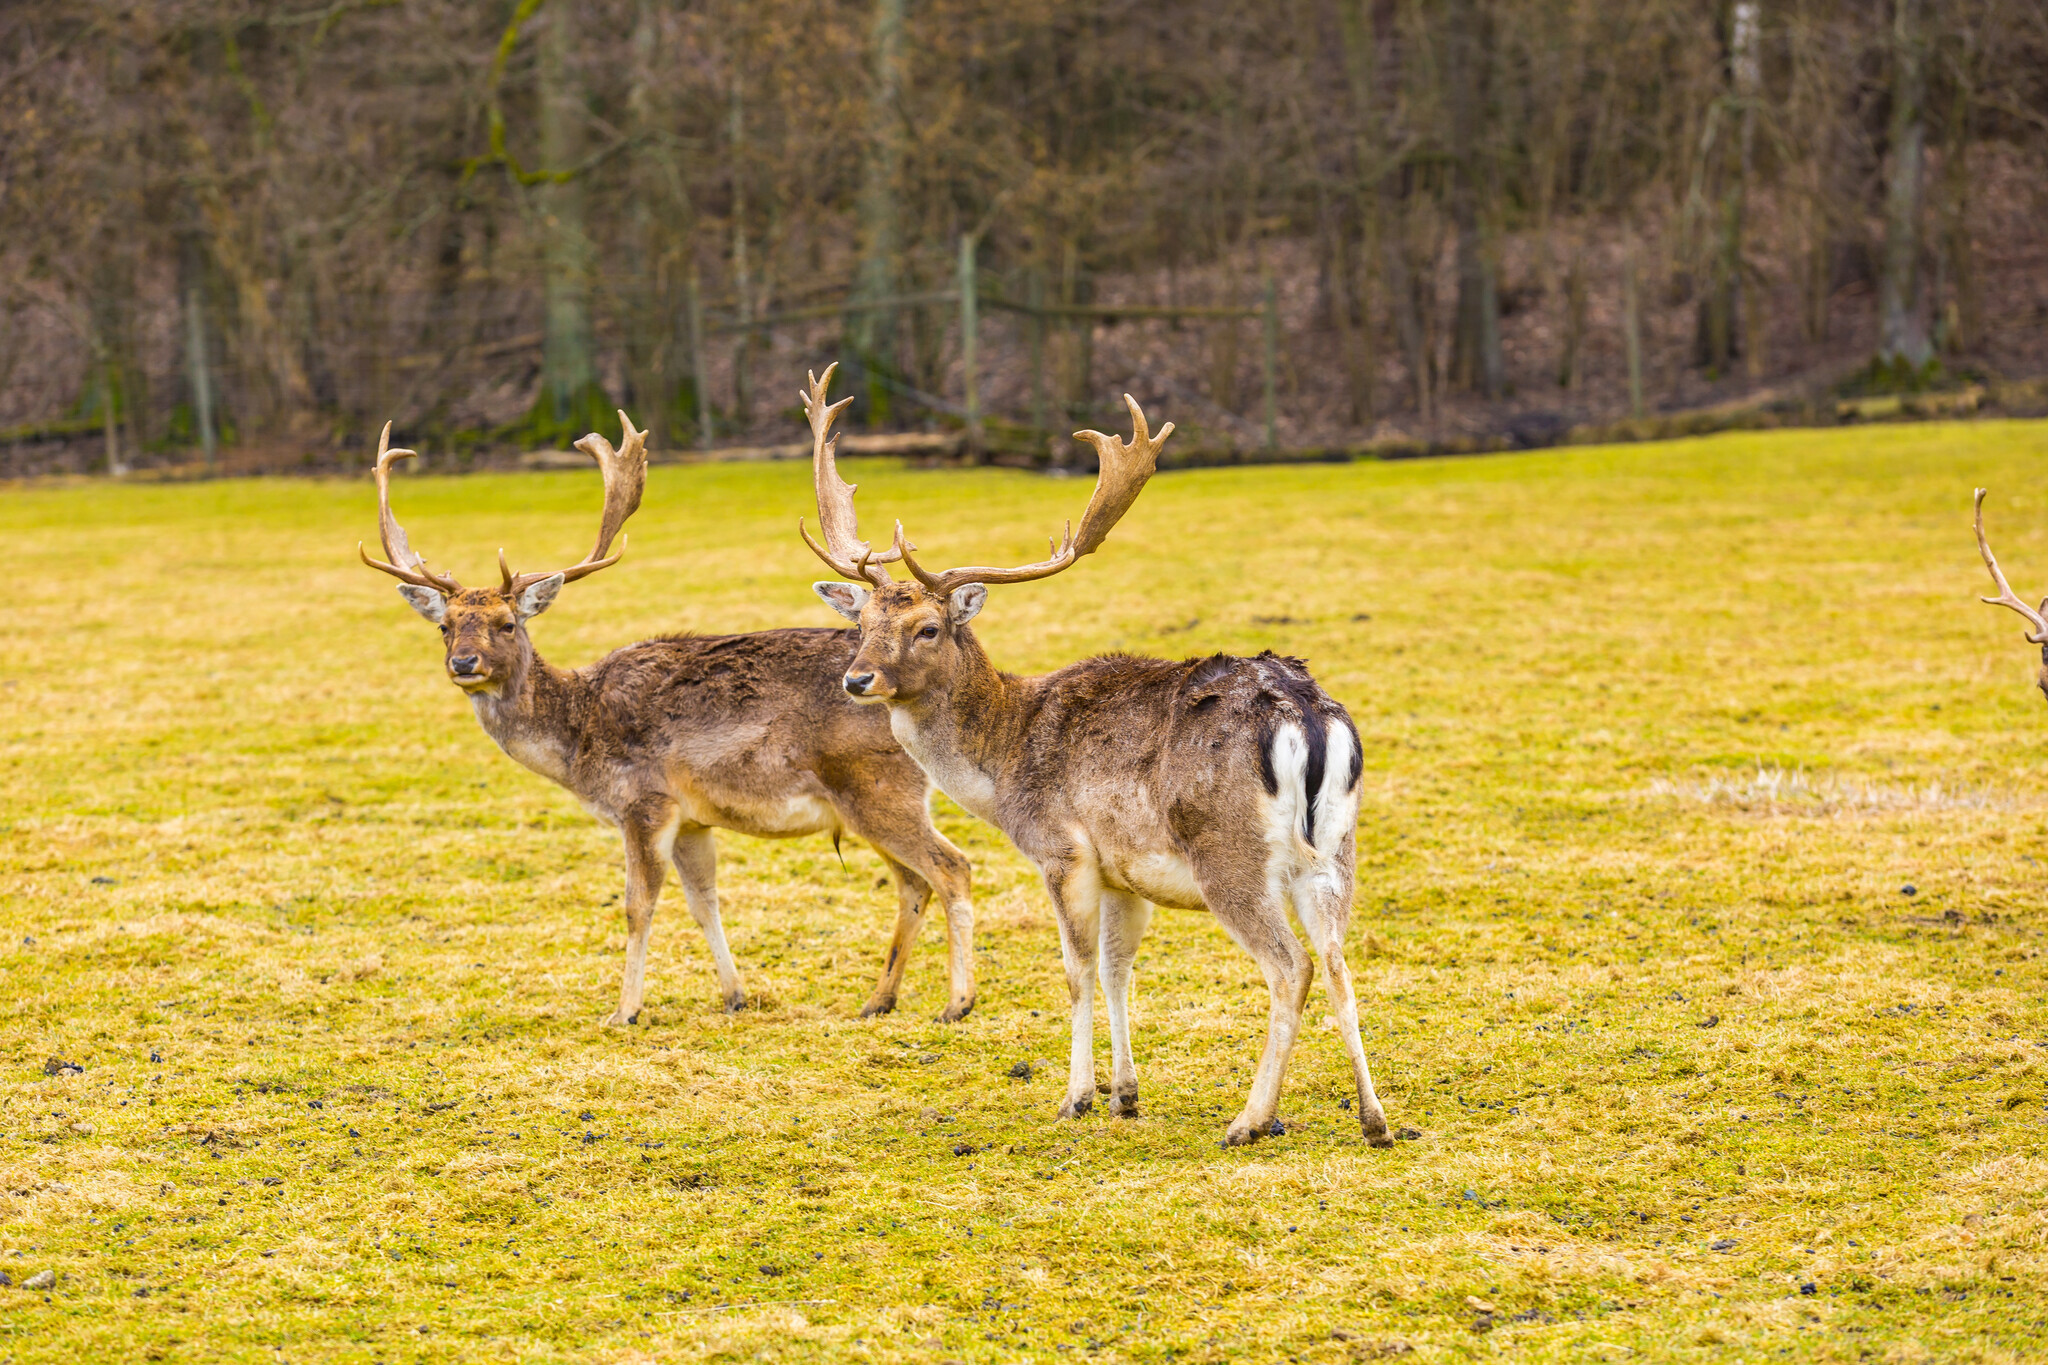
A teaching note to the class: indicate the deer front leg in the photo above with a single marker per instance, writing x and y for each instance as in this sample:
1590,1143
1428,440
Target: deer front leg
696,858
912,894
953,876
889,812
1076,893
1124,920
646,842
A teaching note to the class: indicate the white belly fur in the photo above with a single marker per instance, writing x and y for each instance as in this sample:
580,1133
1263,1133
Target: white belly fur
1162,878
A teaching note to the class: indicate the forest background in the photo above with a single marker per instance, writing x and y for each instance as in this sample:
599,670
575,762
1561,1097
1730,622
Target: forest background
253,232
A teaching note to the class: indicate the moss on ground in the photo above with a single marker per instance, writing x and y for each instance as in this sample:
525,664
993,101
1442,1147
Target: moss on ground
1656,739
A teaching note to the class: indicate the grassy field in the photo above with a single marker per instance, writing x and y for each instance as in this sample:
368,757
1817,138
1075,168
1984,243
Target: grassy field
1702,861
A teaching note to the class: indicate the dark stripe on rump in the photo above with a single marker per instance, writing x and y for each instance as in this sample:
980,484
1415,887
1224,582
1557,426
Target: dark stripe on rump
1288,679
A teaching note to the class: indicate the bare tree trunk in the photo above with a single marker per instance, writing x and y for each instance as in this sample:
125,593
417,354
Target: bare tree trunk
1723,324
1361,54
1476,361
1632,319
1746,61
1408,290
742,278
1961,319
1902,342
874,329
570,401
650,349
198,358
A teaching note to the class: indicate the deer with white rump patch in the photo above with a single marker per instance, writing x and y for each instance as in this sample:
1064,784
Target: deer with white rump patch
1221,783
669,739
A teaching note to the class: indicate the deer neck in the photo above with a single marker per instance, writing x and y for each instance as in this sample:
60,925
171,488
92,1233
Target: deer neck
962,730
533,717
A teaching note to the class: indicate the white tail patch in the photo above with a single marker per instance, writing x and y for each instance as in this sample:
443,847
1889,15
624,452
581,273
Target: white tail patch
1336,800
1287,815
1337,803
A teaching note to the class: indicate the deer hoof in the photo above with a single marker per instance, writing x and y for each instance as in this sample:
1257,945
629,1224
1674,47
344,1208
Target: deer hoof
1124,1106
1073,1109
621,1019
1242,1133
878,1005
735,1002
954,1013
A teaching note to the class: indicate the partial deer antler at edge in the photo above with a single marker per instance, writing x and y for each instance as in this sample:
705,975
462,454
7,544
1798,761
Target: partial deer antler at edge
1124,468
404,563
2006,597
625,477
844,551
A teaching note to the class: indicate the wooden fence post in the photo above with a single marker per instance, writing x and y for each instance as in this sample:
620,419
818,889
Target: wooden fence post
969,327
1272,365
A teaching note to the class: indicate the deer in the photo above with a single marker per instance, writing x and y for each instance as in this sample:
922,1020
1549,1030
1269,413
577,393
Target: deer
2037,617
671,738
1219,783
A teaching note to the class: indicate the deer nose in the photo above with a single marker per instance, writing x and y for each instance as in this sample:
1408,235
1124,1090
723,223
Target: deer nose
465,664
857,683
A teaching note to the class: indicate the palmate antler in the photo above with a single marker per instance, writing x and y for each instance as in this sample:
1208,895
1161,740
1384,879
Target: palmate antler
404,564
1124,469
625,477
844,550
2006,598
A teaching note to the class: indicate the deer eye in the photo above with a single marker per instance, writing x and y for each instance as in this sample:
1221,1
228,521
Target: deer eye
928,633
444,627
508,626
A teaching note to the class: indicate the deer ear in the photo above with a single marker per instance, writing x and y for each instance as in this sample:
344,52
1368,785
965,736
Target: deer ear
428,602
537,598
965,603
845,598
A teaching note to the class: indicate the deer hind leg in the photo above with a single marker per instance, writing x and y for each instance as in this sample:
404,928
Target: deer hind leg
646,844
1124,920
1076,893
1322,900
912,894
696,859
900,828
1255,916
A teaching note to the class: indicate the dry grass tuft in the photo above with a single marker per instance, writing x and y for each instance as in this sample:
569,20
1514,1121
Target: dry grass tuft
1778,791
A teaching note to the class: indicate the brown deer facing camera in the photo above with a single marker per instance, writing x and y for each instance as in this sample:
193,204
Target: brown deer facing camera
669,739
2035,618
1220,783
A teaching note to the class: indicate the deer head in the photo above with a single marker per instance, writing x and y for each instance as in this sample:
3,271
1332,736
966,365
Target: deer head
909,631
2038,634
485,628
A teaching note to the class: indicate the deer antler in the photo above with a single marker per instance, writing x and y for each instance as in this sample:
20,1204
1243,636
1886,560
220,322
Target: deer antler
404,563
848,555
1125,466
625,476
2039,634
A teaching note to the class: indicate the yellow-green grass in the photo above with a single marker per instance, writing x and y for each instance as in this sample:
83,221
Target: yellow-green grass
1654,738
